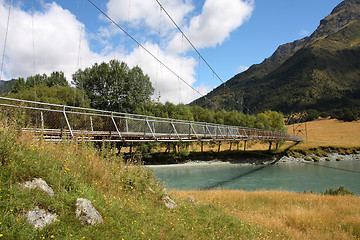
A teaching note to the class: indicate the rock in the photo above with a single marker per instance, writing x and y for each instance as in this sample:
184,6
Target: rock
87,213
151,190
192,200
169,203
38,183
40,218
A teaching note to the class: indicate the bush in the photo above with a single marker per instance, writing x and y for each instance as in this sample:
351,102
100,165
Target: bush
338,191
346,115
315,158
311,114
184,152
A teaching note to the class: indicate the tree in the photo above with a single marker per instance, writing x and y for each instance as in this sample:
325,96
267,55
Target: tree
36,80
113,86
312,114
63,95
18,85
57,78
271,120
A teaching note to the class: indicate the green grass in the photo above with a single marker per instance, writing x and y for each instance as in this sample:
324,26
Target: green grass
118,190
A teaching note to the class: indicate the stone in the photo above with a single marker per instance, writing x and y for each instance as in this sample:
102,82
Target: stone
87,213
38,183
191,199
151,190
169,203
40,217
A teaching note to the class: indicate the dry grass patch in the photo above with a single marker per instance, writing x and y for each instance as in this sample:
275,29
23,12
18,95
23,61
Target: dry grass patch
328,132
295,215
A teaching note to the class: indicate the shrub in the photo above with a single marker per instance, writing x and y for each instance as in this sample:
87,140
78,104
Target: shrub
315,158
312,114
338,191
184,152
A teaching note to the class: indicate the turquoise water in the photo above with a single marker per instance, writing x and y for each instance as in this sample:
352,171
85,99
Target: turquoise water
288,177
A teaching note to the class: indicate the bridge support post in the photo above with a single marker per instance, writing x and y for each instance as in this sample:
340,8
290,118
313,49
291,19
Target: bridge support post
219,146
131,145
270,144
245,145
202,146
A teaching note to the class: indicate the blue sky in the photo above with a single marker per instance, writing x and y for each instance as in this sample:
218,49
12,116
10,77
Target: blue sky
231,35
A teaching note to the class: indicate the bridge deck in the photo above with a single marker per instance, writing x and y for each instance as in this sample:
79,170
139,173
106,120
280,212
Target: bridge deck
57,123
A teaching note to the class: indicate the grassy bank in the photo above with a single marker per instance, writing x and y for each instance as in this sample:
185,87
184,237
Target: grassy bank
289,215
119,191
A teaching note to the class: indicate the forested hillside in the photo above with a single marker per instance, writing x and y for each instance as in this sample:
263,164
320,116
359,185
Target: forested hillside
319,73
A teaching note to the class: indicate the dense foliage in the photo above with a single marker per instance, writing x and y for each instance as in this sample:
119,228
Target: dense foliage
50,89
269,120
114,86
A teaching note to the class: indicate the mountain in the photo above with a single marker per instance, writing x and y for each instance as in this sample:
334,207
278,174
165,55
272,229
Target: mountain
320,72
2,85
5,86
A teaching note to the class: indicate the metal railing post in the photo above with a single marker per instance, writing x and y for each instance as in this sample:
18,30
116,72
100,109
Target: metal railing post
116,127
42,121
91,124
67,121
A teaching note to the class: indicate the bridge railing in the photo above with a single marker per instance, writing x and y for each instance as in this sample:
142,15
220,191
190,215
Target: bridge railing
57,122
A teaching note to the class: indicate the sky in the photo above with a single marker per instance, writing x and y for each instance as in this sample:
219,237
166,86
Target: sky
231,35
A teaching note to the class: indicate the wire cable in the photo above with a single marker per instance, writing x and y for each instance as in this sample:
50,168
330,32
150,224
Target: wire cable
6,35
145,49
202,58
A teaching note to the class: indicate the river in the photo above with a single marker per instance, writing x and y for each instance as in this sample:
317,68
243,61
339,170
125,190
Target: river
295,177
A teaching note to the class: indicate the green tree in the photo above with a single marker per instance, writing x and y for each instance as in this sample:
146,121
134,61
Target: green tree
271,120
113,86
311,114
36,80
57,78
18,85
62,95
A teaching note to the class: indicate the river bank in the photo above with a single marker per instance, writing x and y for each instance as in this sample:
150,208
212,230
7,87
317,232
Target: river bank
303,155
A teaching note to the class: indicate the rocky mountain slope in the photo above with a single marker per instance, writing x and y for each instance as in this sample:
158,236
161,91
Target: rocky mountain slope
320,72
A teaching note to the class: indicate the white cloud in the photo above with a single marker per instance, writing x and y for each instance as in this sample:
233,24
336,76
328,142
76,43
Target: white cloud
215,23
242,68
304,33
52,40
58,34
170,87
147,13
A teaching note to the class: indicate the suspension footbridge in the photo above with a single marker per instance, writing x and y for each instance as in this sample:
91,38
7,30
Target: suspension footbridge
57,123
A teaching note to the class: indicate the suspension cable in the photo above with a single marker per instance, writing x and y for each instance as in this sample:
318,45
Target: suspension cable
202,58
162,63
33,45
145,49
6,35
